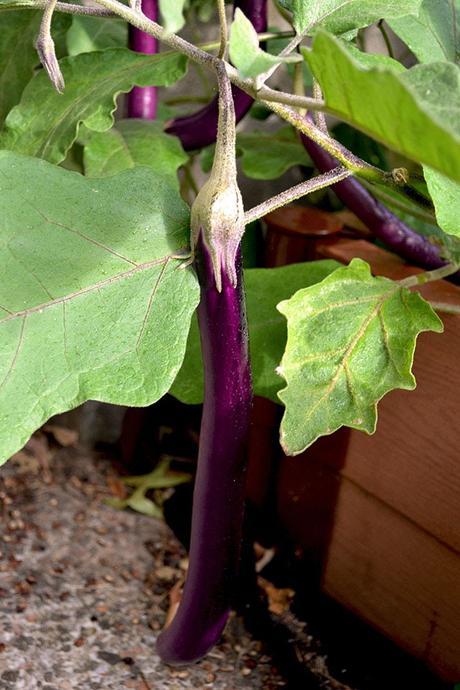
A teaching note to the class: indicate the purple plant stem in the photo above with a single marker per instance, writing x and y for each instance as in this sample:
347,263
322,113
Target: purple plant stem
200,129
218,500
398,237
142,100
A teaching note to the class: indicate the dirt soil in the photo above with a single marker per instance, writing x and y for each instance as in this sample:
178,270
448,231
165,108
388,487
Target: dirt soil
84,588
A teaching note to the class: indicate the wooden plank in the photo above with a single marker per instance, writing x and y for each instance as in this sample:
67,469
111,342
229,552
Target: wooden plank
398,578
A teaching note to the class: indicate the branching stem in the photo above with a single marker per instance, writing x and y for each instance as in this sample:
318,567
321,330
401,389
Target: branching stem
265,95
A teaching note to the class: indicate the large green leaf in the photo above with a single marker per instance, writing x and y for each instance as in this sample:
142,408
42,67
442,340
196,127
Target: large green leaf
131,143
446,198
351,339
92,305
265,287
18,57
45,123
416,113
93,33
341,16
432,35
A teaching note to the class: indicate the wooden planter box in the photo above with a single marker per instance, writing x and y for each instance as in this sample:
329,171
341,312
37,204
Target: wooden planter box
383,511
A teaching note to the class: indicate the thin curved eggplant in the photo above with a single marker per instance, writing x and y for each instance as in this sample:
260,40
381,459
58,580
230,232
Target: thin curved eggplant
218,499
200,129
142,100
398,236
217,225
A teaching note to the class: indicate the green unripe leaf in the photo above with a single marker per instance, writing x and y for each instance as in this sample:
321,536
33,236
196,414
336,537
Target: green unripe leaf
351,339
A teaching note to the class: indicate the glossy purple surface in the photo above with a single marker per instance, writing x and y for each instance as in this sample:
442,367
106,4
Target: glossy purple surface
200,129
398,237
218,500
142,100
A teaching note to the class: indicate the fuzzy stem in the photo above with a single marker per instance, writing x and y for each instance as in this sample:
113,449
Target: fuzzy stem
306,126
218,500
66,8
296,192
223,30
142,100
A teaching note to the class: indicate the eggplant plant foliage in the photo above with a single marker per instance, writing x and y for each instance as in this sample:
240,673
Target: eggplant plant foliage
101,271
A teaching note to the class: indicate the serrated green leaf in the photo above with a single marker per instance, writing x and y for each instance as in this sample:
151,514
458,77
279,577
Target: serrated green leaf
446,198
92,305
18,57
340,16
244,49
131,143
172,14
93,33
351,339
432,35
45,123
416,113
265,287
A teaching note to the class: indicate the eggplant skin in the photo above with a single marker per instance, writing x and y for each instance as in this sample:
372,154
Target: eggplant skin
218,499
142,101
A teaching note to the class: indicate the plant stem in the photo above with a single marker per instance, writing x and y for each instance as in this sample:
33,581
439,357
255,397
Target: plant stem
386,38
299,190
319,118
333,147
445,307
347,158
66,8
218,500
223,30
142,100
429,276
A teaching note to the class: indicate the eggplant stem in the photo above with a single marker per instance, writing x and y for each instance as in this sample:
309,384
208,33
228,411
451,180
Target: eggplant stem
312,185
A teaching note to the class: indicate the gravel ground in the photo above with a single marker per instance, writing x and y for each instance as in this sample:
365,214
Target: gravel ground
84,588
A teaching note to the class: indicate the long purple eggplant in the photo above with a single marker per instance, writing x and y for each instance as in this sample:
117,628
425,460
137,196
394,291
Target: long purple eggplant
218,497
200,129
218,502
142,100
398,237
